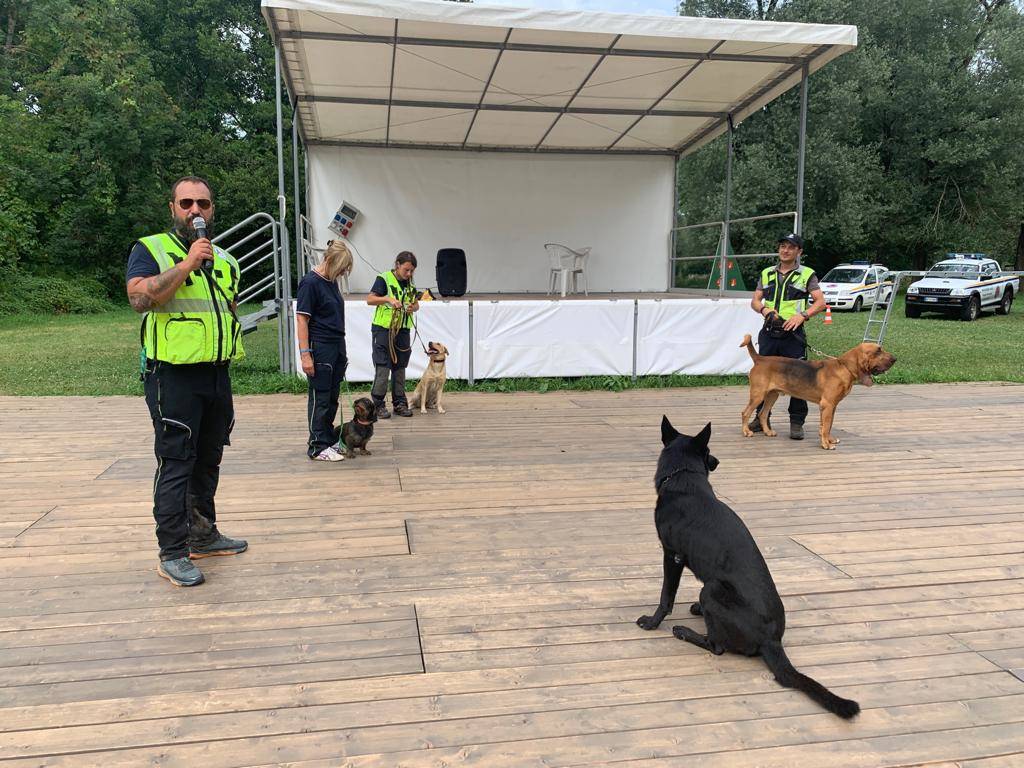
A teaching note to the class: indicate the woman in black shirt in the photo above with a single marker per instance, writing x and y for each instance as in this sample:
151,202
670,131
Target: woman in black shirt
320,326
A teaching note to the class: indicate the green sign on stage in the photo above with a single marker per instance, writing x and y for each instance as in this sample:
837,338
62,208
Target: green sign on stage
733,276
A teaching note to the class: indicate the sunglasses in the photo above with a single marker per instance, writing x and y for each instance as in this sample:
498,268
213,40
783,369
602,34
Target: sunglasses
187,202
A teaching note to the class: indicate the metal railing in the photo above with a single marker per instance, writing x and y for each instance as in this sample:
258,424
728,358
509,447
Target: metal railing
720,257
259,244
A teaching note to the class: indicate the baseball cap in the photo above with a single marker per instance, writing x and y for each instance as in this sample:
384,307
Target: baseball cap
793,238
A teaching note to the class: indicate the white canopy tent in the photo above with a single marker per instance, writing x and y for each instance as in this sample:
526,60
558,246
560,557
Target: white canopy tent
497,129
464,76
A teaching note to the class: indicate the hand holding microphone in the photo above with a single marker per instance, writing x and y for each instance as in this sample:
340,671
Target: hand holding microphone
201,250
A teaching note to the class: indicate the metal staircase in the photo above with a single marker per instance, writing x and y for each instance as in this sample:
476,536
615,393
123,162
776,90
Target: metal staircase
260,245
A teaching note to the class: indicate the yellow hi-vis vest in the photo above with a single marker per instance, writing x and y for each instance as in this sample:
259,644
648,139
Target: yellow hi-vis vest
786,295
382,317
196,325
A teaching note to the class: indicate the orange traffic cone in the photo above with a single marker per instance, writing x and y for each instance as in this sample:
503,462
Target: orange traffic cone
828,315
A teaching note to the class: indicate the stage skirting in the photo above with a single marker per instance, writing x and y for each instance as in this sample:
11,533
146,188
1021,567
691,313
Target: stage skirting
496,339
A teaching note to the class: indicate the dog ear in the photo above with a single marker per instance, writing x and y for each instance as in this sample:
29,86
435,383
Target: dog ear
704,437
668,432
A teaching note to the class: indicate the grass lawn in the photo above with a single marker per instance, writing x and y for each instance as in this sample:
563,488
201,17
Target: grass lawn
99,355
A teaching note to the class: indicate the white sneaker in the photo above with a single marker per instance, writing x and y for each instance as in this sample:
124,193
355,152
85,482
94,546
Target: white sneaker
328,454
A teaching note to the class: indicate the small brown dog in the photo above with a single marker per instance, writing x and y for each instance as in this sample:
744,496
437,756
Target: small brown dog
357,433
824,382
430,388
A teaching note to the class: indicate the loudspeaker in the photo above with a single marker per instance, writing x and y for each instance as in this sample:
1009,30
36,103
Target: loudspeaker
451,272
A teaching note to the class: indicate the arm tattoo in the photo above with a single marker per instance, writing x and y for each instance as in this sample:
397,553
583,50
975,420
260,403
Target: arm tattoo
140,302
163,281
142,299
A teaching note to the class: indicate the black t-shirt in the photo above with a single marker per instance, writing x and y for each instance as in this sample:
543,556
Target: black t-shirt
141,262
320,299
380,287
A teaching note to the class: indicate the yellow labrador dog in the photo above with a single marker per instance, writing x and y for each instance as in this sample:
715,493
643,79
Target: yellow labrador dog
431,387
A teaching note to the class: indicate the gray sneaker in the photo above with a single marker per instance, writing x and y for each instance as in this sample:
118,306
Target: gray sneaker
221,545
383,412
796,431
180,572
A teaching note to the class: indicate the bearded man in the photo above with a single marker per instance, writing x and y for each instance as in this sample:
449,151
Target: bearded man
185,288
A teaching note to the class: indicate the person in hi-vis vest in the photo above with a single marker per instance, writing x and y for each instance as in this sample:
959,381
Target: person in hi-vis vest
394,296
781,297
185,287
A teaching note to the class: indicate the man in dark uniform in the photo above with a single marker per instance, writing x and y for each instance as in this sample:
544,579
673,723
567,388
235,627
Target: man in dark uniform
781,298
186,287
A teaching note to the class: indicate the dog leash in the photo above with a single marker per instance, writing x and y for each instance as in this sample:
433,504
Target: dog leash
819,353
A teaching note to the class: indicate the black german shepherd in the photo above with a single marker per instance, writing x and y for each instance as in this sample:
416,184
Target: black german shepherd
740,604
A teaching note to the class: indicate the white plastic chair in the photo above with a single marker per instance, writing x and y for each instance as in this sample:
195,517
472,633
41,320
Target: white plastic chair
565,263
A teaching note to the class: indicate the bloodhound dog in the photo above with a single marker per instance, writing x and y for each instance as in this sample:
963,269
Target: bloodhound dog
825,382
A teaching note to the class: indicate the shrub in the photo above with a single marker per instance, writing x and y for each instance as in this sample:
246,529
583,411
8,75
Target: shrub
22,293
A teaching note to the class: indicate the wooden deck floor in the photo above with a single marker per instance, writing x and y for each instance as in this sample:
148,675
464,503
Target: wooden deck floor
467,596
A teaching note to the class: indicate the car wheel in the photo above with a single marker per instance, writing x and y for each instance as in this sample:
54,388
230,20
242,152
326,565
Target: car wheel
858,303
1006,303
972,309
912,311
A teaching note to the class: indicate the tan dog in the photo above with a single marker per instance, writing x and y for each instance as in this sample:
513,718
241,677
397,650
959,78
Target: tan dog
824,382
431,385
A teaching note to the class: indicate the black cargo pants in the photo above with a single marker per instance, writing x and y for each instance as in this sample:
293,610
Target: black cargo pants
791,344
193,415
385,368
329,361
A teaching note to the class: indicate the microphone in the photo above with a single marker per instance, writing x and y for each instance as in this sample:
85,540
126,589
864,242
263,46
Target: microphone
199,225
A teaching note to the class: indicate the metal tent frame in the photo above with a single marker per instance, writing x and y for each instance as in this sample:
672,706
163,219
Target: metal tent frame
807,47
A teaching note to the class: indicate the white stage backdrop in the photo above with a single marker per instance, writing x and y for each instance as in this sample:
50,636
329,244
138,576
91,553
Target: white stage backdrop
693,337
447,322
570,338
561,338
500,208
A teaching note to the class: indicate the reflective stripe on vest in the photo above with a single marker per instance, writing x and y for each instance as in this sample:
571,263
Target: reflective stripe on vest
788,296
196,325
382,317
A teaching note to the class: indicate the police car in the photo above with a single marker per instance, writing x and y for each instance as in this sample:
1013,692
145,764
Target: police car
962,284
851,286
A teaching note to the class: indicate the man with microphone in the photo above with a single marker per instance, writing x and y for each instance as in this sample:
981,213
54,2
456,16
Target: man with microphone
185,288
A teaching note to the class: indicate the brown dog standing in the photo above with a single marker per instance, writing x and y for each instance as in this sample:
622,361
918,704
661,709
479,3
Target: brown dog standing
824,382
431,384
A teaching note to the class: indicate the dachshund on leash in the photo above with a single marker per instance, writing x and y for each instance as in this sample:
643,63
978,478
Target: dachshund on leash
739,602
825,382
357,433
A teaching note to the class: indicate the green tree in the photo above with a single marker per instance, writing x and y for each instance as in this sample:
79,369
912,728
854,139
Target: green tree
105,102
911,137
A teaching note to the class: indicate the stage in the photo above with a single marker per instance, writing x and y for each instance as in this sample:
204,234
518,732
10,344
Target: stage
492,335
467,595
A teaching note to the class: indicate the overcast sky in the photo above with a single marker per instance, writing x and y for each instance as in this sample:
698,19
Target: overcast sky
644,7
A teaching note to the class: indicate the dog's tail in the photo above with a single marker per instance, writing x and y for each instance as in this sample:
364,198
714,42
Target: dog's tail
787,675
750,348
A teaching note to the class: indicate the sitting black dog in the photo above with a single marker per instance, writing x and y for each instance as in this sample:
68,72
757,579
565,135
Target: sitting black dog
739,602
357,433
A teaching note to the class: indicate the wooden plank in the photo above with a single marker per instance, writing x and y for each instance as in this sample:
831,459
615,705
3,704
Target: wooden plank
532,551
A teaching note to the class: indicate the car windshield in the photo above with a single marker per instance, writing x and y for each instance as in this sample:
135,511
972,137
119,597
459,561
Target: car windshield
844,275
961,271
